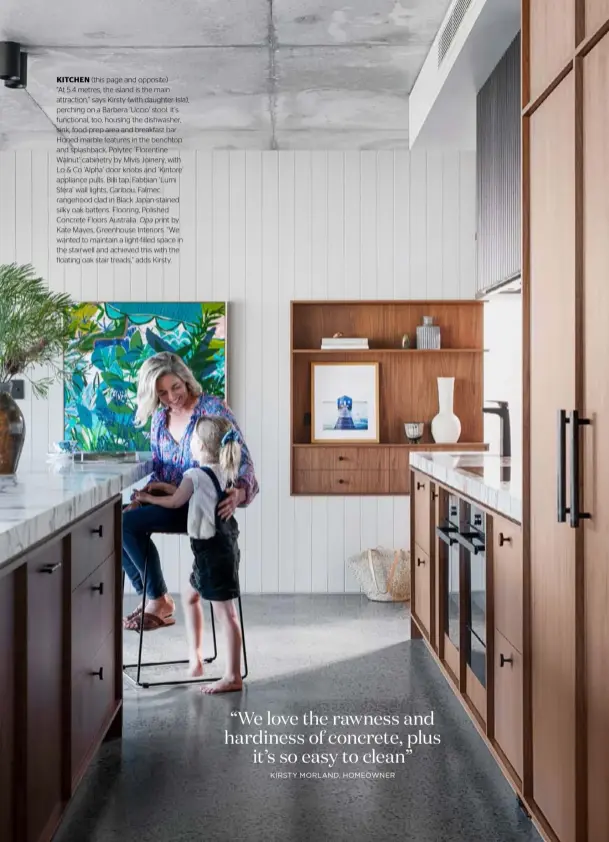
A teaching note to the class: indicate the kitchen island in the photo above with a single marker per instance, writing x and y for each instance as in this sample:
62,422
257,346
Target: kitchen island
467,590
60,633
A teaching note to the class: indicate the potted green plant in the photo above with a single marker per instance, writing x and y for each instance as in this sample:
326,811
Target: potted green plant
34,331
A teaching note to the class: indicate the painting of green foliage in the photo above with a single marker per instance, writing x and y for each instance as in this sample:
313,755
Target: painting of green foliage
110,341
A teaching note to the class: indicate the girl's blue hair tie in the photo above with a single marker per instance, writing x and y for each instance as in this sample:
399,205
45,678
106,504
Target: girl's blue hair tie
230,435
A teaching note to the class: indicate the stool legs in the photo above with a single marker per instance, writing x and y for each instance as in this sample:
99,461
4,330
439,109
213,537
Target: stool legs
139,664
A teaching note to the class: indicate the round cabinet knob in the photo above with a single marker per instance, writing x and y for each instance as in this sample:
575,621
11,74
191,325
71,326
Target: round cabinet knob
341,458
99,673
420,561
341,481
504,539
503,660
99,588
99,531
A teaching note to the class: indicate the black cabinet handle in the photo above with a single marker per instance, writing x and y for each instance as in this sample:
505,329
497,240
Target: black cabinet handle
341,481
504,539
420,561
50,568
341,458
561,467
99,588
99,673
434,495
420,485
446,534
99,531
503,660
574,513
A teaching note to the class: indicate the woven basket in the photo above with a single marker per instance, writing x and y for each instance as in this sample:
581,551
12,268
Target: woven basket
383,574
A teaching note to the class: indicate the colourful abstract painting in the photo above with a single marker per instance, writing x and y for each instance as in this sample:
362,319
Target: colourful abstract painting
110,343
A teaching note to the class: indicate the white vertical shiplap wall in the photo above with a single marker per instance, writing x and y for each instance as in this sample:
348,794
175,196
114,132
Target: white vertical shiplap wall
261,229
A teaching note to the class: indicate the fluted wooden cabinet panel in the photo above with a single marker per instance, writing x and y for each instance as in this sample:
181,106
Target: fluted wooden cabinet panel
498,173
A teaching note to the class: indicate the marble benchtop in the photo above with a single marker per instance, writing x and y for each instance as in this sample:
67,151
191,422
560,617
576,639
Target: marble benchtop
491,480
43,498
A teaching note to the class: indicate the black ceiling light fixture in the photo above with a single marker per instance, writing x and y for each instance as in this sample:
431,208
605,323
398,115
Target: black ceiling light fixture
13,64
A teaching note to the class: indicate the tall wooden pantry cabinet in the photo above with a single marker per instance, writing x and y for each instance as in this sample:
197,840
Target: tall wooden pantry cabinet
566,415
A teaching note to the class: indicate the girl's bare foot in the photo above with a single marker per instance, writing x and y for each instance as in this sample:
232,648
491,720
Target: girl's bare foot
224,685
195,668
163,607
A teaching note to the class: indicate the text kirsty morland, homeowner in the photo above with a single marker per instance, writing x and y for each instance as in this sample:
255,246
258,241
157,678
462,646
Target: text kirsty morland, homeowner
117,179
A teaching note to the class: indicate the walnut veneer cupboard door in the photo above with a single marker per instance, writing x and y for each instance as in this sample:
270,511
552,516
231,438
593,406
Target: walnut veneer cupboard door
45,674
552,38
596,14
7,712
595,438
552,388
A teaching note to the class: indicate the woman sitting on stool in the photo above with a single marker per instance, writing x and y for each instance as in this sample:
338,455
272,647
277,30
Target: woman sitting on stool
168,391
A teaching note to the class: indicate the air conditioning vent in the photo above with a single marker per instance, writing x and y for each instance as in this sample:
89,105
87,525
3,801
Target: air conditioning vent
450,29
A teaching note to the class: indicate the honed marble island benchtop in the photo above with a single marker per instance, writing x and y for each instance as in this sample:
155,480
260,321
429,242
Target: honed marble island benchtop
491,480
42,499
60,632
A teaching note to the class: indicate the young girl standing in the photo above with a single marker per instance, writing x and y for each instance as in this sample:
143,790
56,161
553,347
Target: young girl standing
215,570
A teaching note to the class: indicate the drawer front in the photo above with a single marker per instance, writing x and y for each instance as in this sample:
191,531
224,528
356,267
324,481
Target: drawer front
320,458
399,467
93,700
341,482
508,701
507,569
422,511
92,543
422,587
92,613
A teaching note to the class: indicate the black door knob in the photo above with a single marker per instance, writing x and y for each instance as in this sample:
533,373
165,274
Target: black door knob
99,588
99,531
503,660
99,673
504,539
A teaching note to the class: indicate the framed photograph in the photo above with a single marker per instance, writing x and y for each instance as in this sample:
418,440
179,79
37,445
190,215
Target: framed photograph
345,402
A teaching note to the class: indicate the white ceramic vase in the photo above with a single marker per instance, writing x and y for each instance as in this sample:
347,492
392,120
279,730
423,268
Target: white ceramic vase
446,427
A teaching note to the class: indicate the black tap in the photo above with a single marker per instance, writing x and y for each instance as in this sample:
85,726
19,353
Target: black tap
503,412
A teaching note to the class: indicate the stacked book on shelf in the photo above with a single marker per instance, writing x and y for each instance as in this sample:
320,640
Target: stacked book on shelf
344,343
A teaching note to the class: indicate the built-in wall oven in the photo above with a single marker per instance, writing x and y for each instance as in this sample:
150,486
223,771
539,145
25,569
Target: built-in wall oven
463,586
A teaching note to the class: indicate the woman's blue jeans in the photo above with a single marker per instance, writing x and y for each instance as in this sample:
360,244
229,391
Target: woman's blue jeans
138,525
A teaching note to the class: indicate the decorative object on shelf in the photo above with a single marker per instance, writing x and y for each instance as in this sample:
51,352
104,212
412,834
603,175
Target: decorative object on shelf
34,331
405,341
345,402
428,335
350,343
446,427
414,431
383,575
109,343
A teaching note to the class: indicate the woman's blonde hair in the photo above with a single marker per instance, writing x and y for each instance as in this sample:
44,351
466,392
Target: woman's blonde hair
155,367
217,435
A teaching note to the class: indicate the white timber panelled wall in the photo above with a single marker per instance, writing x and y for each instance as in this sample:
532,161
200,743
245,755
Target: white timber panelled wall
261,229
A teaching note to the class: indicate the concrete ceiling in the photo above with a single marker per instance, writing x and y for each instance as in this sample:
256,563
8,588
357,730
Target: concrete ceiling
259,74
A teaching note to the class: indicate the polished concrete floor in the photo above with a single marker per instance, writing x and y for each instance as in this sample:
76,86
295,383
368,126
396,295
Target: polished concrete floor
175,778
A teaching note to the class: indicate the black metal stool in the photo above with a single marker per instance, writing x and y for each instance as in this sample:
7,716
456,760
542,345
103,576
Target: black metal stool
138,665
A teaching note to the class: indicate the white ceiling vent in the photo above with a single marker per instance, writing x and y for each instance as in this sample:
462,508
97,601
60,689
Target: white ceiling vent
450,28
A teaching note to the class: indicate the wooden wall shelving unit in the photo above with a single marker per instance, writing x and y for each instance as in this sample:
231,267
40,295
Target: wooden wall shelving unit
408,389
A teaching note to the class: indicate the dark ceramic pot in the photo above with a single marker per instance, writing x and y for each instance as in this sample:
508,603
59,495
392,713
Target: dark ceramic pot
12,431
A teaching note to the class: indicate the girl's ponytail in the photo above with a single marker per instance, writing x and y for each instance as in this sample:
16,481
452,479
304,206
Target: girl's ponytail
230,455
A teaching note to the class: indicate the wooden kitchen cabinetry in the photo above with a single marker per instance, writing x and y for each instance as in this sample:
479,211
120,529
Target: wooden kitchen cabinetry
60,669
407,388
566,415
467,604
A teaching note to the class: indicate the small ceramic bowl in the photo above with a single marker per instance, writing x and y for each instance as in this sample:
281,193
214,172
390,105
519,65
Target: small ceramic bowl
414,431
